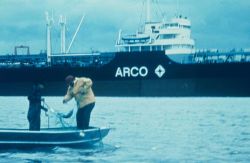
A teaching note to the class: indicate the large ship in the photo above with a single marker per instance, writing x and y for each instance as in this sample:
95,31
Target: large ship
160,59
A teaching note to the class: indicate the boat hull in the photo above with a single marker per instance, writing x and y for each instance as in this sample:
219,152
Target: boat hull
69,137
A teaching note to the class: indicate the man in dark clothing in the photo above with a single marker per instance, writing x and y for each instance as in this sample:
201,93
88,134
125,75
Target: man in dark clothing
35,107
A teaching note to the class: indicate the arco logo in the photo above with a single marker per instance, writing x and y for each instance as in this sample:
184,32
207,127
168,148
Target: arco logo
131,71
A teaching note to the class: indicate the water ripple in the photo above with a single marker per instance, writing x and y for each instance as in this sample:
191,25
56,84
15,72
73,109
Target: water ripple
148,130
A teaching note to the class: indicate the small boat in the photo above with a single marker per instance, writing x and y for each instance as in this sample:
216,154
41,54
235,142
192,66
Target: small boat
51,137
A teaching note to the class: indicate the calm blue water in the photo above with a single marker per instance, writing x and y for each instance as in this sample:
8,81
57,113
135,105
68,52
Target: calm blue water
147,130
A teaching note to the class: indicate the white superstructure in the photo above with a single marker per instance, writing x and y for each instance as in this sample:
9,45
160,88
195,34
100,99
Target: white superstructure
174,37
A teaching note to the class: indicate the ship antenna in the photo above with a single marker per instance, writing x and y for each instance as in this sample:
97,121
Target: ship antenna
148,10
78,28
178,8
49,22
118,42
62,22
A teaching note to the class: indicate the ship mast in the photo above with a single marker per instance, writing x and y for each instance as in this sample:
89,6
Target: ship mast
62,22
177,8
148,10
48,24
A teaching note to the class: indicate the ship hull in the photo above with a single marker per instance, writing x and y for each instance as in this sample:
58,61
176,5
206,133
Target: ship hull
136,74
146,88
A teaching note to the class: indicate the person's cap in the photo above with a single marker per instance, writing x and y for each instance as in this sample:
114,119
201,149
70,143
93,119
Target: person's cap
69,79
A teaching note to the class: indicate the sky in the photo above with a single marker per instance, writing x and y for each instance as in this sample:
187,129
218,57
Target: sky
216,24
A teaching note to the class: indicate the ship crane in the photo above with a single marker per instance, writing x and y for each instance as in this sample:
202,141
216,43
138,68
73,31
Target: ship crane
22,47
77,30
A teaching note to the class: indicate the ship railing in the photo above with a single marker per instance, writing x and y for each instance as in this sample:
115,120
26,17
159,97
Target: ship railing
221,57
82,60
75,60
17,60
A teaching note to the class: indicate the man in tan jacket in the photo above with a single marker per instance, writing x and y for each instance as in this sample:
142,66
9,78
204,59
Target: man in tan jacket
80,89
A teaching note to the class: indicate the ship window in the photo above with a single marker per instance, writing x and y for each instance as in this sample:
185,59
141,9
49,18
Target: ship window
167,36
183,46
153,48
135,49
186,26
165,47
166,25
174,25
156,48
126,49
145,48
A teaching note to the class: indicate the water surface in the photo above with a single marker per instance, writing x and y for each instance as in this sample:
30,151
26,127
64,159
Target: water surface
146,130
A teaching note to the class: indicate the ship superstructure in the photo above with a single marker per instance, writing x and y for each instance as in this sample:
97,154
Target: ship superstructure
158,60
173,37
